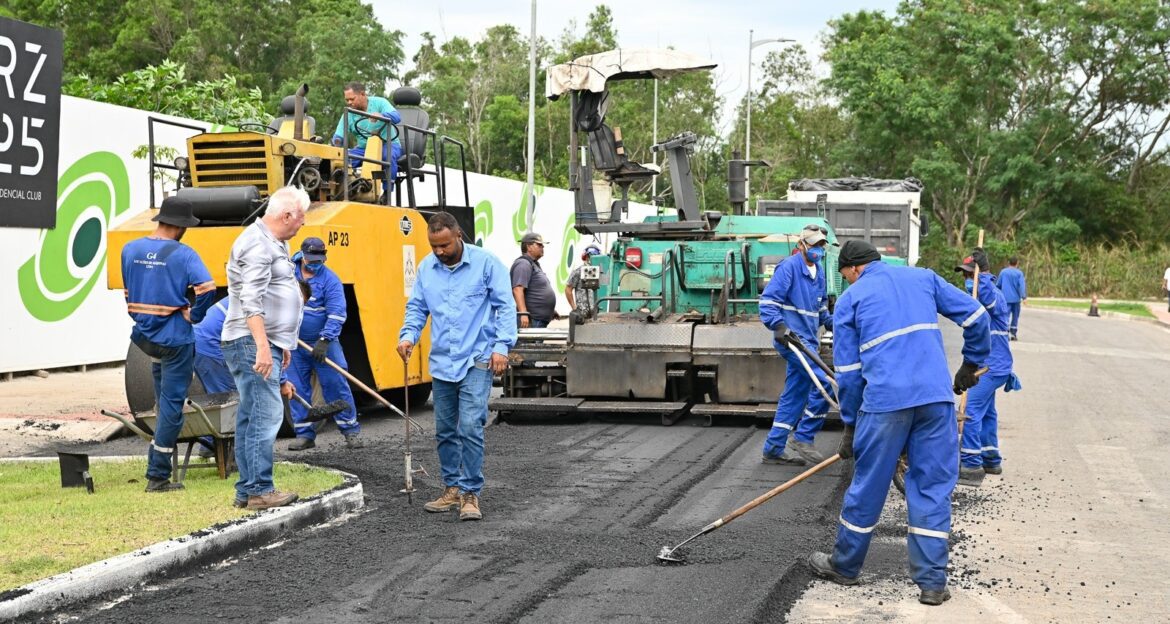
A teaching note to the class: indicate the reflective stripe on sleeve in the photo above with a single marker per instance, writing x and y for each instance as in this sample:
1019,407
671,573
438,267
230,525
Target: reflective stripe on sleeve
971,319
204,288
899,332
992,305
800,311
308,309
853,527
848,368
913,530
336,317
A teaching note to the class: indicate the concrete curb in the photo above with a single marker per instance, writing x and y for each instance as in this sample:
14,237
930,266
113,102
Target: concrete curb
125,571
1104,314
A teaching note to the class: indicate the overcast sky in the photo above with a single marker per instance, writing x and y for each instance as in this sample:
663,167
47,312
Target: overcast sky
717,29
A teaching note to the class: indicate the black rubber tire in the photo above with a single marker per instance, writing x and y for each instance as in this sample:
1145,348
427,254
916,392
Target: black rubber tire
139,384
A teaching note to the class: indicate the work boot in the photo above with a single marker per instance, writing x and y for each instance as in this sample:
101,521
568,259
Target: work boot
995,469
162,485
353,441
807,451
934,597
823,567
469,507
302,444
971,477
447,502
271,499
787,458
239,503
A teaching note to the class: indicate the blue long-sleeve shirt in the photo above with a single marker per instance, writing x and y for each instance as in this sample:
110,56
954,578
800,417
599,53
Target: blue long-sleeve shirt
324,312
471,308
157,273
796,298
887,347
209,330
1013,285
1000,360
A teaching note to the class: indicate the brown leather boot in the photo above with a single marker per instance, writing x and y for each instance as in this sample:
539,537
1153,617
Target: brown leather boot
449,501
271,499
469,507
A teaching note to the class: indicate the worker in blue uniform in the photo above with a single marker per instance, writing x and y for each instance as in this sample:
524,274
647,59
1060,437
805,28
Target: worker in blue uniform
324,315
795,297
210,367
1015,291
979,448
157,270
896,395
360,128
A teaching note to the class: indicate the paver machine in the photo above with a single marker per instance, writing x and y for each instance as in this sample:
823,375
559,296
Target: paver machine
674,326
374,239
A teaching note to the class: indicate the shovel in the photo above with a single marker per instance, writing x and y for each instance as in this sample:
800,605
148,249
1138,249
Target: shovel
329,410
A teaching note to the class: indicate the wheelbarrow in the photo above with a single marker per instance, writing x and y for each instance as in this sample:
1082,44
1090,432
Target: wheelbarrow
210,415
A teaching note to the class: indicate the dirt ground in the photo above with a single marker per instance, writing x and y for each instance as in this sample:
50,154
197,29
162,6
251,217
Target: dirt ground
63,408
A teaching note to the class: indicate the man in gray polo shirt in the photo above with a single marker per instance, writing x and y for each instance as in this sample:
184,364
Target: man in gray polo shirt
536,301
259,334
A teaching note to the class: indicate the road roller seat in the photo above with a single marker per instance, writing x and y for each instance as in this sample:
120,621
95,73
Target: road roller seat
284,125
406,101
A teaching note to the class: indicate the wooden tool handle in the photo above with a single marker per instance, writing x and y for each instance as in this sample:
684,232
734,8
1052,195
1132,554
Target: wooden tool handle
761,499
356,382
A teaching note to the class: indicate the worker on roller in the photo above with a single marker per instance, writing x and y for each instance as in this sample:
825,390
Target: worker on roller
361,128
158,270
979,448
324,316
896,395
795,297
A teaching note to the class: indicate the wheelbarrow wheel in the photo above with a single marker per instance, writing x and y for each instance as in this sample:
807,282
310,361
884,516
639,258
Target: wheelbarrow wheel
139,383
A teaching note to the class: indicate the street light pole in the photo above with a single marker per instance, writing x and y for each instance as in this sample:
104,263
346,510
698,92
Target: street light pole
752,44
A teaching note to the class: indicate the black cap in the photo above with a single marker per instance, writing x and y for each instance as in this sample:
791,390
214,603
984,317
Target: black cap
177,211
532,237
857,253
313,249
966,266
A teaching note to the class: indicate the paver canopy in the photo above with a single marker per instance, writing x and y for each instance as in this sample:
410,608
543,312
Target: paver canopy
591,72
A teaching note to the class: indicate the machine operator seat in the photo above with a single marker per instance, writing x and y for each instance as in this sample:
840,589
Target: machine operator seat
284,125
605,143
414,144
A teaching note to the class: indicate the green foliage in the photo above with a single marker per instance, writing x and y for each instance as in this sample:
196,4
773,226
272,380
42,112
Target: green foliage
1062,231
166,89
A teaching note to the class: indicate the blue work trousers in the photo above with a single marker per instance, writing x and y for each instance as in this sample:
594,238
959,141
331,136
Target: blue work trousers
460,416
214,374
171,368
333,387
980,443
258,416
928,436
1015,322
357,153
801,408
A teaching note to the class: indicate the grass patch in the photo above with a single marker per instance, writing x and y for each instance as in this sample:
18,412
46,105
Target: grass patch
46,529
1124,307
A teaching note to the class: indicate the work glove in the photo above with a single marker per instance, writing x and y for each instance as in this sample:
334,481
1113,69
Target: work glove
845,450
782,334
320,349
965,378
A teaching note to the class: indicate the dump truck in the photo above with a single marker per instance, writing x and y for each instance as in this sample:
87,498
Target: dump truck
674,328
374,239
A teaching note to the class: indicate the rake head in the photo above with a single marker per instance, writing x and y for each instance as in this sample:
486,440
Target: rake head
670,555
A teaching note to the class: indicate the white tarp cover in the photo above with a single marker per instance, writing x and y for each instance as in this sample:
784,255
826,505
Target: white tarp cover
590,73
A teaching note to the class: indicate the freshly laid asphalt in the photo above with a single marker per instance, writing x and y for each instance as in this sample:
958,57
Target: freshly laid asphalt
575,513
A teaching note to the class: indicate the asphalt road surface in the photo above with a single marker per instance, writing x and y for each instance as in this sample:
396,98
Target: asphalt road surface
575,513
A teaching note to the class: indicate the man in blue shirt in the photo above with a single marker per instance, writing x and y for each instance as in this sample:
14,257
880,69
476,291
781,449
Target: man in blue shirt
321,326
795,297
979,448
360,128
466,293
157,271
895,390
1015,291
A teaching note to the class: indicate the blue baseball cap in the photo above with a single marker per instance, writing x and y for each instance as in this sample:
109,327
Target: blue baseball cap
313,249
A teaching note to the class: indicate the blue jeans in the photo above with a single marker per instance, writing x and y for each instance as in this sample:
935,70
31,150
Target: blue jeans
258,416
333,387
928,435
801,409
980,443
534,323
460,415
171,367
1014,307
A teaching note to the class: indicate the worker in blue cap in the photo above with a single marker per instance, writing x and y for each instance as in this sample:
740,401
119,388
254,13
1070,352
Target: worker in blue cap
896,396
324,316
796,297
